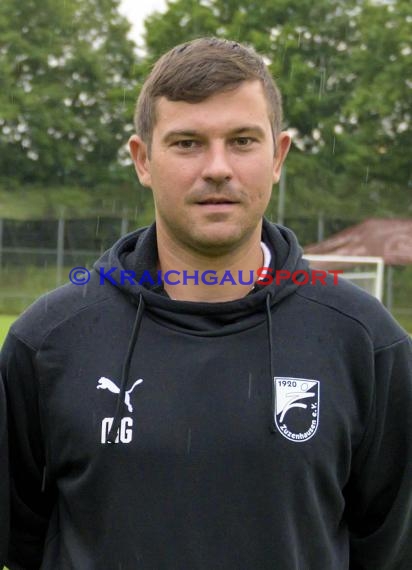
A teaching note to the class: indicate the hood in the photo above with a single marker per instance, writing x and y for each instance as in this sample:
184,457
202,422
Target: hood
137,253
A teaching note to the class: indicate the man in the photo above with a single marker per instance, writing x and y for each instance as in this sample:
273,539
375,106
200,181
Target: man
177,414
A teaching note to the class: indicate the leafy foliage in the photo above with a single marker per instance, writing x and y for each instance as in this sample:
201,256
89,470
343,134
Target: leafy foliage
343,67
69,79
67,91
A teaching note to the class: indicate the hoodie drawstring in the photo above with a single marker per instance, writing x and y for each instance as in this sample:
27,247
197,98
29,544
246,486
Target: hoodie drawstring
130,349
125,372
270,341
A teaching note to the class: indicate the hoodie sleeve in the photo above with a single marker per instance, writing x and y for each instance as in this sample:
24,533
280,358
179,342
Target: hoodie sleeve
4,478
379,494
30,503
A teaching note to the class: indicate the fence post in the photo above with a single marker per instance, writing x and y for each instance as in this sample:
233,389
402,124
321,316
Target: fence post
281,198
321,227
389,287
60,251
124,226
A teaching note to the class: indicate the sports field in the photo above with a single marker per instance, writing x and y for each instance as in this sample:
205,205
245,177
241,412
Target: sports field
5,322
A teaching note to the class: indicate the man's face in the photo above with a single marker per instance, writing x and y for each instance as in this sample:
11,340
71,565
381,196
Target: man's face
211,168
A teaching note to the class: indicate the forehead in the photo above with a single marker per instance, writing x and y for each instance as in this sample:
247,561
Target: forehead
226,110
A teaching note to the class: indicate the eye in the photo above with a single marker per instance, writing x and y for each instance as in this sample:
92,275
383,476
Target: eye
186,144
244,141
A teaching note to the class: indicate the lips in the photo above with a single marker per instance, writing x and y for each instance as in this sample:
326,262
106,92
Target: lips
217,200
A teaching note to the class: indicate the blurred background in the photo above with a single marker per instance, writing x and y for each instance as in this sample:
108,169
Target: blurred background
70,73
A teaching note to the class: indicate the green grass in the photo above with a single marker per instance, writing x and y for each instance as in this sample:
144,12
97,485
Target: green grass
30,202
404,318
5,322
20,286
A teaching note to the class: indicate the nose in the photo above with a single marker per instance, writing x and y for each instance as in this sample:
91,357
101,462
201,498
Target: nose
217,168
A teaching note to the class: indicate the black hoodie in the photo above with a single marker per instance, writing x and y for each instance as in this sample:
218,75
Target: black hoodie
268,433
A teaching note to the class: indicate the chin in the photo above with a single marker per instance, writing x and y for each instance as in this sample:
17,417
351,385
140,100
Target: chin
217,243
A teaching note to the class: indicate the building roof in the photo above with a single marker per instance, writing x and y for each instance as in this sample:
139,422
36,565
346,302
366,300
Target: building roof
387,238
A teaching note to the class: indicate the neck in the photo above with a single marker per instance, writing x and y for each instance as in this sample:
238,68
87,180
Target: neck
189,267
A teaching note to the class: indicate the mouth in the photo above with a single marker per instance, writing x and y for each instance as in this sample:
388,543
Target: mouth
218,201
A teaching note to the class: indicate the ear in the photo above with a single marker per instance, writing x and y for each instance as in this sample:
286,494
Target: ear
139,153
282,149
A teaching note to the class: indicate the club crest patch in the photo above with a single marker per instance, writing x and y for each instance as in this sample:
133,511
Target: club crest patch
297,407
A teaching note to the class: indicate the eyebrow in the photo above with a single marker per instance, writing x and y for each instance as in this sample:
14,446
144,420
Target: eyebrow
248,129
170,135
179,133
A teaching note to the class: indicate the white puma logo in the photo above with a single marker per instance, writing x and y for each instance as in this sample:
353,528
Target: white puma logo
107,384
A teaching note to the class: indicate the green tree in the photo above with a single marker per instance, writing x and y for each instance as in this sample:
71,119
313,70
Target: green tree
68,85
375,120
343,68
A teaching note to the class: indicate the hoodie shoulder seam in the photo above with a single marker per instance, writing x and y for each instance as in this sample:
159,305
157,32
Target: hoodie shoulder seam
356,320
21,339
392,344
58,323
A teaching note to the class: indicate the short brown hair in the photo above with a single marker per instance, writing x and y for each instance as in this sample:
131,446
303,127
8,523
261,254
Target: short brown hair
198,69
